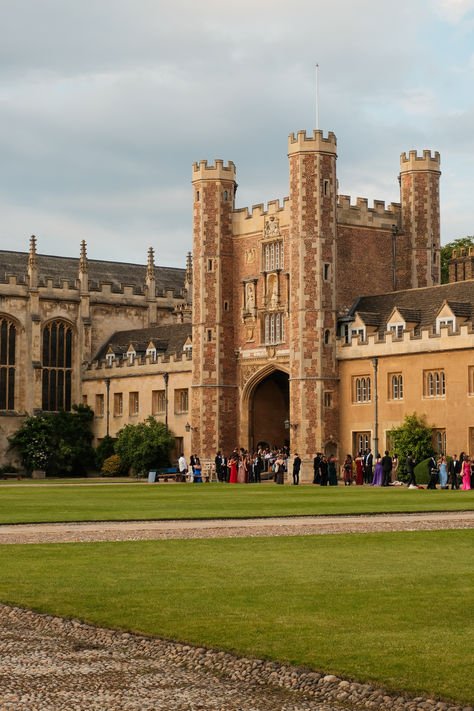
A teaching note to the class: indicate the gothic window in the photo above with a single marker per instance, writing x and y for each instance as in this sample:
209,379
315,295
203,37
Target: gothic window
361,389
273,256
274,329
57,366
326,336
118,404
158,402
133,403
7,364
181,400
396,387
99,405
434,383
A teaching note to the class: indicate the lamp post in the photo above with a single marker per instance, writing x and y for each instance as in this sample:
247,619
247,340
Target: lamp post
166,377
107,385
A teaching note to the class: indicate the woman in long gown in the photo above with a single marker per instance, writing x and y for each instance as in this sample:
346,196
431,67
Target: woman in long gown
347,466
466,474
378,472
395,463
359,462
332,471
241,470
443,472
233,471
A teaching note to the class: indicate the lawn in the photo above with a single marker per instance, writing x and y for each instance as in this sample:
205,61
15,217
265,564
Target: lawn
28,504
395,609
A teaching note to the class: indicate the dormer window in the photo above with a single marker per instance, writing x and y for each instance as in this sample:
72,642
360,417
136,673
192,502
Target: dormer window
110,357
150,351
396,329
130,355
445,321
355,332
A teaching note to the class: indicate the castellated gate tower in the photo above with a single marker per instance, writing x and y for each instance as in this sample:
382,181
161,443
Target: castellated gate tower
270,284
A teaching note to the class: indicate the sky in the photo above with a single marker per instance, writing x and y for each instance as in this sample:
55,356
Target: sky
105,105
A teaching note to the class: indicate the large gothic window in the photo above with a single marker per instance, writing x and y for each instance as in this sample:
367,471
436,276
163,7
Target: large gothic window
57,366
7,364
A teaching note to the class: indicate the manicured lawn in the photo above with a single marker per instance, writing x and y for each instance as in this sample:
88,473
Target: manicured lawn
395,609
167,501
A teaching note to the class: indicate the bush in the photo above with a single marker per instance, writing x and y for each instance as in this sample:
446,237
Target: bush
412,436
59,443
112,466
144,446
104,450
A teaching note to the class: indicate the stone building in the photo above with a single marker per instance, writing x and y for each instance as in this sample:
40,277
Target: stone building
272,330
269,288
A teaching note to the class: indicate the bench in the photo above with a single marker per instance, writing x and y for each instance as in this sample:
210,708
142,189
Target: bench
154,475
6,475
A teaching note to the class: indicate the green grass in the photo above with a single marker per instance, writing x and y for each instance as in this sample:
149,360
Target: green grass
168,501
395,609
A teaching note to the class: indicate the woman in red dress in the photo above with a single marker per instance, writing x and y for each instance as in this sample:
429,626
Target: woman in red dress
359,462
233,470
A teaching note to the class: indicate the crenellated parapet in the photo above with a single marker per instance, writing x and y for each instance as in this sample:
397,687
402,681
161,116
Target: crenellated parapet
425,161
301,142
214,171
424,340
360,214
143,364
247,221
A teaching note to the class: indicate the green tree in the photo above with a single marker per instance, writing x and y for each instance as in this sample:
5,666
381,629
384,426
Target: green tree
58,442
144,445
104,450
414,436
447,253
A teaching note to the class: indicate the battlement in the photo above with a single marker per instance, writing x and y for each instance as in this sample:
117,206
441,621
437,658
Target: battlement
461,253
215,171
426,340
145,364
413,161
317,143
360,214
246,220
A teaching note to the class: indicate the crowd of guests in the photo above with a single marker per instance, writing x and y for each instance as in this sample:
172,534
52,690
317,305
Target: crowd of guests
244,467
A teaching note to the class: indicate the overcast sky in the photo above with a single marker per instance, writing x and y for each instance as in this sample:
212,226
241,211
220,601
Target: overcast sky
105,104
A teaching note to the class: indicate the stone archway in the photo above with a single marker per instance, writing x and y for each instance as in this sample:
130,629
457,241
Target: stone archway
268,409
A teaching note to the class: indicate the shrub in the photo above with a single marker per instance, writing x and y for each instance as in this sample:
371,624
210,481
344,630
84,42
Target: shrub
112,466
412,436
144,445
104,450
59,443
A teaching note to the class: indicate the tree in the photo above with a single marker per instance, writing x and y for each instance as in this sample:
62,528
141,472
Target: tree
57,442
145,445
414,436
447,253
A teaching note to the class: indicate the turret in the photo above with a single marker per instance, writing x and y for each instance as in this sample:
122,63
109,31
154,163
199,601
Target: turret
33,264
313,197
419,196
214,391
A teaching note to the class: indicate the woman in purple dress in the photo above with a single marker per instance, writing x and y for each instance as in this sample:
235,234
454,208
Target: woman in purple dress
378,473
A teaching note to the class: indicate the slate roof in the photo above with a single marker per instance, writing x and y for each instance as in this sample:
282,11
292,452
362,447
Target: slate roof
67,268
167,340
419,305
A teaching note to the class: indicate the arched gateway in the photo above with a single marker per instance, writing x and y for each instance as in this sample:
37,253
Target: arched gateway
267,399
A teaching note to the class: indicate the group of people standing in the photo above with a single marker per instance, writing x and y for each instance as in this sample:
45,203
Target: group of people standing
361,469
459,473
324,470
244,467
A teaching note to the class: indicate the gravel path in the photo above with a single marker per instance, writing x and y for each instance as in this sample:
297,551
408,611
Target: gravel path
52,664
230,528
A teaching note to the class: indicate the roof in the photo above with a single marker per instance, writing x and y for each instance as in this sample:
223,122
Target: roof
67,268
419,305
167,340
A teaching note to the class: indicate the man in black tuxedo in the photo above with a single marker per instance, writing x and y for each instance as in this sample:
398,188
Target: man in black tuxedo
433,471
368,466
410,467
454,471
296,469
316,468
386,468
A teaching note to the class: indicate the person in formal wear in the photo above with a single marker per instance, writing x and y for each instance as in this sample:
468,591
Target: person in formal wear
233,461
182,467
443,472
395,463
324,471
433,473
454,472
197,470
410,467
359,462
296,469
279,468
466,474
368,466
316,469
387,468
332,471
347,467
378,472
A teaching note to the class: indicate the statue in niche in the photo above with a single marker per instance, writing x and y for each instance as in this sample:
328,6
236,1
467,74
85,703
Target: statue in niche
249,333
272,227
250,255
273,291
249,296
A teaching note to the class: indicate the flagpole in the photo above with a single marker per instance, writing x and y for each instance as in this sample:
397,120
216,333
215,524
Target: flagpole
317,97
